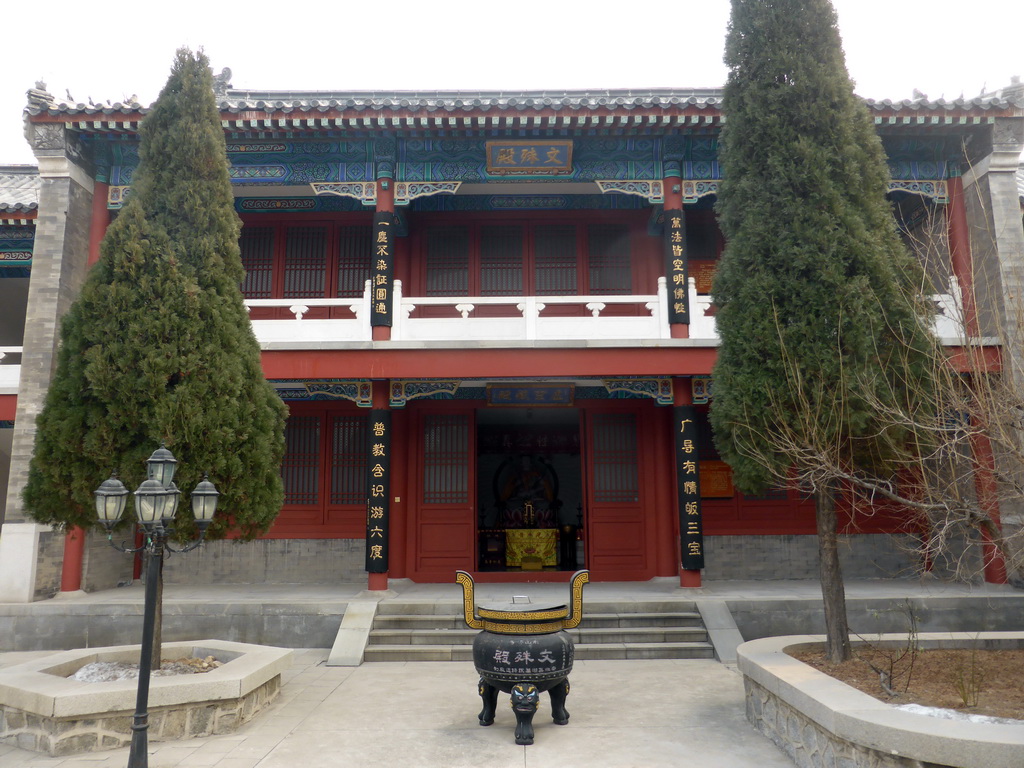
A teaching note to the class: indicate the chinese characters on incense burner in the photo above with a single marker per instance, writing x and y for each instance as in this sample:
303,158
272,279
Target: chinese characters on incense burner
524,651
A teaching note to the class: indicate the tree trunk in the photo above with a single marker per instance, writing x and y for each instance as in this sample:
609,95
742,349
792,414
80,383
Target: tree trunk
837,628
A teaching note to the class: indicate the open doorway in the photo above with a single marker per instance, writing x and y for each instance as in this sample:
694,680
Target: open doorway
529,489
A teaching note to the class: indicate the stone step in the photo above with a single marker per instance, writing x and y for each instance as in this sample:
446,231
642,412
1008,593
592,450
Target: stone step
583,635
584,651
591,620
454,607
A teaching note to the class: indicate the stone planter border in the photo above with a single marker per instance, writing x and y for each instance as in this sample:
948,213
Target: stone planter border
820,721
41,709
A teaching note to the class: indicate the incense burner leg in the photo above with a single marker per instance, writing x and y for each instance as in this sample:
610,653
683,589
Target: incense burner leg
525,699
489,694
558,694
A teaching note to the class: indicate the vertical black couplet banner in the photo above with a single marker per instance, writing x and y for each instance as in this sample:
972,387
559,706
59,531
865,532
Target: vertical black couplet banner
382,271
676,267
378,491
691,533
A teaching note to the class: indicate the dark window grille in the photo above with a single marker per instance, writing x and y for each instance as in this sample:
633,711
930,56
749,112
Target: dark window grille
353,261
305,262
300,468
610,272
446,459
501,261
257,246
348,460
555,260
448,261
616,479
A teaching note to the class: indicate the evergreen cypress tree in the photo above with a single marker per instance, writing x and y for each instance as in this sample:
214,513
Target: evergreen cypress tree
818,318
158,347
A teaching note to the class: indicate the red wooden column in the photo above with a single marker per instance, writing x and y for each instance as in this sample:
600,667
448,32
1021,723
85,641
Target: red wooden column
960,253
962,263
988,500
71,566
74,539
100,220
385,204
377,581
682,395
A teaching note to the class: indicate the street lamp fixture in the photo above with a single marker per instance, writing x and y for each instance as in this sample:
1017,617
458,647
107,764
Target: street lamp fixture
156,504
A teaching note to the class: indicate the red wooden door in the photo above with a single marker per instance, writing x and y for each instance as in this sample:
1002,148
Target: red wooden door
617,531
444,527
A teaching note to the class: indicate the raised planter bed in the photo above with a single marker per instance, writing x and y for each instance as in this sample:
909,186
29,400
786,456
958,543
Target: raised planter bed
820,721
41,709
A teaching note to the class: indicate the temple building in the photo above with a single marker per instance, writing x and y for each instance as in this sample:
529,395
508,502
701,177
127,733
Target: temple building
490,317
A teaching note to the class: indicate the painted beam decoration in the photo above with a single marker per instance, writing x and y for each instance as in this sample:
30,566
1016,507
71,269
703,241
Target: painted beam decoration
691,533
378,485
529,158
676,266
383,269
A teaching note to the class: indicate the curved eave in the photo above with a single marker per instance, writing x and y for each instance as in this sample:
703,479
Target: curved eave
271,110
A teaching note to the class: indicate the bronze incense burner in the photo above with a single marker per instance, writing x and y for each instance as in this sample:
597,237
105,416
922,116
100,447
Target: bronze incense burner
524,651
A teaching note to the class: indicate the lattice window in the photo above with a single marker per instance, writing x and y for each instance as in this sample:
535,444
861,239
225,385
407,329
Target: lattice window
616,479
555,260
257,245
305,262
501,261
353,260
348,460
448,261
300,468
610,272
446,459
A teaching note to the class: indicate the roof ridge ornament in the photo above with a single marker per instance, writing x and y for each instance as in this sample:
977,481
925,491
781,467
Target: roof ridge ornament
221,83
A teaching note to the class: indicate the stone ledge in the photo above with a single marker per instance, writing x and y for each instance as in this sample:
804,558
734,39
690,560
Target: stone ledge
43,710
811,715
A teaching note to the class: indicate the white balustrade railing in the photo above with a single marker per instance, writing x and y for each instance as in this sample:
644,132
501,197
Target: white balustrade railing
459,318
10,370
948,324
525,319
299,329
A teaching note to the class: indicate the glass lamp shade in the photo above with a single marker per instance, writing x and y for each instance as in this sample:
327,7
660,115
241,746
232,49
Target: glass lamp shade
171,506
110,499
151,499
160,466
204,502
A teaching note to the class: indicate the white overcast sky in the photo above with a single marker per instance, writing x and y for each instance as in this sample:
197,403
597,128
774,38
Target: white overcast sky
111,51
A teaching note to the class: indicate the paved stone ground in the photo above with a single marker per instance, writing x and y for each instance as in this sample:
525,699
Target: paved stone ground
625,714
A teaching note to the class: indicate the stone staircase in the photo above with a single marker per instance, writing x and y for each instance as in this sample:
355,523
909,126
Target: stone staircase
435,631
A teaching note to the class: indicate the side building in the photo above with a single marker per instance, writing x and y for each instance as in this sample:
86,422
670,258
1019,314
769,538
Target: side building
490,316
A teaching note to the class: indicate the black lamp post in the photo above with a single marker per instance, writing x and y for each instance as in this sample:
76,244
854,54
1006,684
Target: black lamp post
156,502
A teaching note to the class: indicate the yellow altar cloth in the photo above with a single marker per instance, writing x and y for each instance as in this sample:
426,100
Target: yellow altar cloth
531,543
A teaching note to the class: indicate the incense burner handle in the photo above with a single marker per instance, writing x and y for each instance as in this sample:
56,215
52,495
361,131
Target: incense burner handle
576,606
469,609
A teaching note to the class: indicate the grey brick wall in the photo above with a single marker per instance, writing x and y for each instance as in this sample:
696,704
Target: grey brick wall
863,556
102,566
58,270
270,561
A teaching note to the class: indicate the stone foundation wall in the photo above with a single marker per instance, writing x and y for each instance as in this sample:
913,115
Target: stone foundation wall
808,744
66,736
270,561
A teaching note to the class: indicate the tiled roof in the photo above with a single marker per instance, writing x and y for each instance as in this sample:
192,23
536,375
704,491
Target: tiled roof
668,99
19,188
